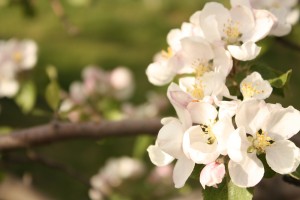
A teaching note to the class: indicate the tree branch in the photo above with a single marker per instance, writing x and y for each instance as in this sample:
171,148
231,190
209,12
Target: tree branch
59,131
287,43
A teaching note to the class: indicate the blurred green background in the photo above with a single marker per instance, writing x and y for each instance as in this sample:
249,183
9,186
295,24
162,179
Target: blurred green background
111,33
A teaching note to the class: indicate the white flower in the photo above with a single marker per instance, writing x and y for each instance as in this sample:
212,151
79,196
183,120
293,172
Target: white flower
237,29
169,140
285,12
212,174
203,143
253,86
200,57
209,84
20,55
262,129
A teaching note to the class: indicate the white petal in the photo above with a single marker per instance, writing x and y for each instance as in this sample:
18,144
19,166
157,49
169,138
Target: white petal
222,130
8,87
248,51
251,115
240,3
283,123
247,173
182,170
281,156
158,157
169,139
159,74
202,113
264,21
222,61
237,145
196,147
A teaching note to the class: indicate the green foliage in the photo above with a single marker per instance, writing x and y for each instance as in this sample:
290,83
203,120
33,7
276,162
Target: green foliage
296,174
26,97
227,191
277,79
52,93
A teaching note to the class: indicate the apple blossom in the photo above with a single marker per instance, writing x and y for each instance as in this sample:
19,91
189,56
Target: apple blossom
253,86
237,29
265,130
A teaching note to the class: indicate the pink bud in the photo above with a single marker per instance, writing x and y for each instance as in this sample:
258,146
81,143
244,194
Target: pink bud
212,174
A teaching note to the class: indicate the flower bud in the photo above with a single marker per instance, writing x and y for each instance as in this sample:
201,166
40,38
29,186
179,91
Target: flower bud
212,174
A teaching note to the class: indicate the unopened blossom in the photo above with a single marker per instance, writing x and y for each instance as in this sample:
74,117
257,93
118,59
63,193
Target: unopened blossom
212,174
121,80
262,129
254,86
237,29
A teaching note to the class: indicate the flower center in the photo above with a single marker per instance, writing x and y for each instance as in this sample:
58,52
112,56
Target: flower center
249,90
232,33
260,142
207,130
197,91
17,56
167,54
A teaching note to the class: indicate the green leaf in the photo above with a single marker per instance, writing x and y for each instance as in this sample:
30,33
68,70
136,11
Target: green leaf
26,98
52,95
227,191
296,174
265,71
282,80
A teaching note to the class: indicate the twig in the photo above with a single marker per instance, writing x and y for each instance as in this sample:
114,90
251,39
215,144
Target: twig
59,11
59,131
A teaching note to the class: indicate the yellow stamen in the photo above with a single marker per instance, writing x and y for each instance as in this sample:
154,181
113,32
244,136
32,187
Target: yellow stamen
249,90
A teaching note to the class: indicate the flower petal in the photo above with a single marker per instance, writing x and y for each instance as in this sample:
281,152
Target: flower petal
247,173
202,112
283,123
158,157
248,51
169,138
281,156
182,170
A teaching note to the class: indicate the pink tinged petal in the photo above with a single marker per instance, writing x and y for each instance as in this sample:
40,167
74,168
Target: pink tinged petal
251,115
253,86
247,173
202,113
182,170
195,146
181,98
281,156
264,21
237,145
222,130
248,51
169,139
283,123
212,174
179,104
158,157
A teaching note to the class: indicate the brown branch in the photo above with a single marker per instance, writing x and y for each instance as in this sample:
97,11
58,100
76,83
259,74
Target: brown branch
59,131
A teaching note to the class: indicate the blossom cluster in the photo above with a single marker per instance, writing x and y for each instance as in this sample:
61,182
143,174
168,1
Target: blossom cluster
16,56
215,129
96,84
